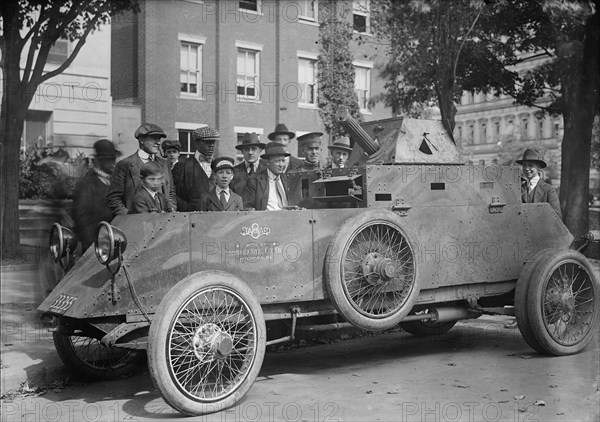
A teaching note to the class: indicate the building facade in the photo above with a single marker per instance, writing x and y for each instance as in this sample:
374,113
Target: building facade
493,129
73,109
238,66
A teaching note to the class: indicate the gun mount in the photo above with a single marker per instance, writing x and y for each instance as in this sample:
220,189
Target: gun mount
399,140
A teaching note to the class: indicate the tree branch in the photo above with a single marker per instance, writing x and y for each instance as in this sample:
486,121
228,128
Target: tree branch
465,39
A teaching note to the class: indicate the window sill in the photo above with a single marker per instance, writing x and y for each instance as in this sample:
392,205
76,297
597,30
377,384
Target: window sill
248,100
250,12
308,22
191,97
308,106
365,112
368,34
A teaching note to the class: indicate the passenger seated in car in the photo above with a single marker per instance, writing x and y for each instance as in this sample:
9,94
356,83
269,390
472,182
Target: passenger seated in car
221,198
148,197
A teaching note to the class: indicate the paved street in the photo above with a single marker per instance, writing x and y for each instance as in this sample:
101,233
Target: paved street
478,371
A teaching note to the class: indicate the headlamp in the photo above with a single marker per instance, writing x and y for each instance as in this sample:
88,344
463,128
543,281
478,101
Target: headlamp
110,243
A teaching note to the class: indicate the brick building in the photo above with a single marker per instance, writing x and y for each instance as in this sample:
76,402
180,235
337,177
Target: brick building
239,66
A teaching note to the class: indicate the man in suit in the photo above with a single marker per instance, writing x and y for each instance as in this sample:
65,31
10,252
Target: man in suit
269,189
283,136
126,178
310,145
194,176
340,150
221,198
533,188
251,148
89,196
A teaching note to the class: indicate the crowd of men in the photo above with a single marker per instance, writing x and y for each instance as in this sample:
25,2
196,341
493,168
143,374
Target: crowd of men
155,178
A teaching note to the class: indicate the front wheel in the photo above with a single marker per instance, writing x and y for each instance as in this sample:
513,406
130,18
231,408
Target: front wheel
562,302
91,360
207,343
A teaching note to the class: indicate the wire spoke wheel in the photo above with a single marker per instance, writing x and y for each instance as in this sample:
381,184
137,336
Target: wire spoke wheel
207,347
568,304
212,344
87,357
562,302
373,281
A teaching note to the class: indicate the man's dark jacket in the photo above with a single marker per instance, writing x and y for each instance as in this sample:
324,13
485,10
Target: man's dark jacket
126,181
90,207
543,192
256,192
190,181
240,176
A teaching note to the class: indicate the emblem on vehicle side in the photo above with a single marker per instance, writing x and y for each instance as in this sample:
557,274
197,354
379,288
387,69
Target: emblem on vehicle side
62,303
255,231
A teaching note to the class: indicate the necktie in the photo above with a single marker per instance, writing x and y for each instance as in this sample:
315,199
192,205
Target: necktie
281,192
223,199
251,170
157,199
530,186
151,158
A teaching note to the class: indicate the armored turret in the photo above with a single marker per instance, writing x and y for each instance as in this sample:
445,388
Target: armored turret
399,140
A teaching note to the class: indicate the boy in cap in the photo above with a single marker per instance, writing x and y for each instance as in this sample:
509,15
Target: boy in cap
126,178
221,198
283,136
269,188
89,196
310,144
533,188
193,177
340,151
251,148
148,197
171,151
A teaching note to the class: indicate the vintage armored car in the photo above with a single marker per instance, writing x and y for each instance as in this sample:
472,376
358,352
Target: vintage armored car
408,234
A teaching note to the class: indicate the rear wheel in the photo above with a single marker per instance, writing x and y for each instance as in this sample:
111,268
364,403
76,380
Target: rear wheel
373,279
207,343
562,302
89,359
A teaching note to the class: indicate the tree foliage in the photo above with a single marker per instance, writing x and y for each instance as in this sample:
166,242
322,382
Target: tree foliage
438,49
29,30
335,71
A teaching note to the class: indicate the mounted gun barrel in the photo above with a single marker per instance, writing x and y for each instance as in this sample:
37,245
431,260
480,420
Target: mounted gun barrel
356,132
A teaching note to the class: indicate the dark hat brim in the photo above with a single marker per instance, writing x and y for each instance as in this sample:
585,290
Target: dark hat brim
253,144
542,164
272,135
342,147
285,154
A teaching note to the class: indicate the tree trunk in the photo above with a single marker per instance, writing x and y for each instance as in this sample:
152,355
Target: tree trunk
580,81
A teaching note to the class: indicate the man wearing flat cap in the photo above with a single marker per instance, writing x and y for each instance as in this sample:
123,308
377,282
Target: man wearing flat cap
126,179
283,136
269,188
533,188
171,150
221,197
310,145
89,196
194,176
340,150
251,148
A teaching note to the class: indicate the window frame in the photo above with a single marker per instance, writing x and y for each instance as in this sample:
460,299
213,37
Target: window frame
55,56
247,48
359,11
304,7
245,9
311,58
368,66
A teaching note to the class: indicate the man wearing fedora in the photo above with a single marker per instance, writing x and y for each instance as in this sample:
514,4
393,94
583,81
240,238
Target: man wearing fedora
194,176
533,188
310,145
126,179
283,136
89,196
269,188
340,151
221,197
251,148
